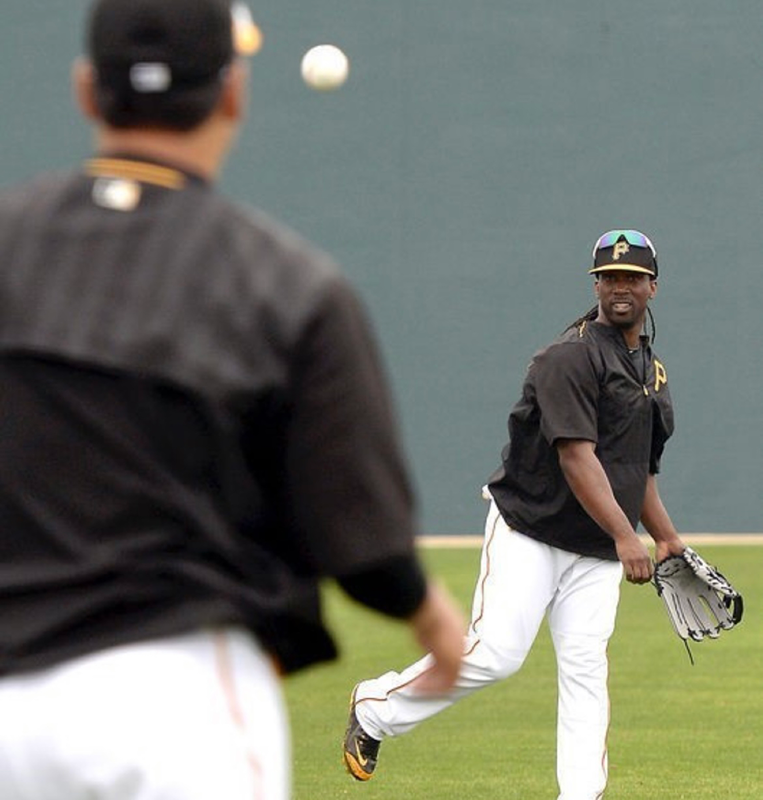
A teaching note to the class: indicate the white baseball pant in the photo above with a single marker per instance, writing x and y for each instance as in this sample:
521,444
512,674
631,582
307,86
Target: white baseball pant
521,580
192,717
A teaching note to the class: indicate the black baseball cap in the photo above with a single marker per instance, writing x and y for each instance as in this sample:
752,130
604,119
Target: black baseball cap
148,54
626,250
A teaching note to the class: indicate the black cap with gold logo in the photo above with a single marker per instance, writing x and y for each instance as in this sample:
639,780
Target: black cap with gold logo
626,250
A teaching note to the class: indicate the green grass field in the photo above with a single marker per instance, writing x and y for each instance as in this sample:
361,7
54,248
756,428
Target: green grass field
678,731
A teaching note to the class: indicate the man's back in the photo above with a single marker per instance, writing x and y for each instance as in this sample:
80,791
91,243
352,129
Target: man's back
152,340
143,349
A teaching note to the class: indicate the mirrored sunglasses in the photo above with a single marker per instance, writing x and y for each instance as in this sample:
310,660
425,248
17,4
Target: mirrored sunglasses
636,238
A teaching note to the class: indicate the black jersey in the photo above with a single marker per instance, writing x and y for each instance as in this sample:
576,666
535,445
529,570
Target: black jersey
195,423
586,385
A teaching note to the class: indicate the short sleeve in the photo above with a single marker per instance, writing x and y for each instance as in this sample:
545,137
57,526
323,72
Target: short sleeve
567,392
348,481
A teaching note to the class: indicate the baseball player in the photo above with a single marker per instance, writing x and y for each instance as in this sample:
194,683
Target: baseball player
578,475
196,429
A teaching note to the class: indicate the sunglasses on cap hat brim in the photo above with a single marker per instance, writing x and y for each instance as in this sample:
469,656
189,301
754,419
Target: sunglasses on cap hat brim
633,237
636,238
247,37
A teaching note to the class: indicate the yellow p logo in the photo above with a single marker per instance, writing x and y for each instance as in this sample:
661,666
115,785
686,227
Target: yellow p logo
621,248
660,375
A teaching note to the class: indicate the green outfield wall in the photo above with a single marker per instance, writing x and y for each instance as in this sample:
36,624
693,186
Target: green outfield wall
460,178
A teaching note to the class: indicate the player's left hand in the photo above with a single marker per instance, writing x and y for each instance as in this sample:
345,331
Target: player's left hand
665,548
699,600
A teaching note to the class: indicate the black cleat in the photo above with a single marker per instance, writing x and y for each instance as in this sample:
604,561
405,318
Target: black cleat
360,750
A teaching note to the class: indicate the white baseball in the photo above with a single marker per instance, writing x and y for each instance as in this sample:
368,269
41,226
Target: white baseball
325,67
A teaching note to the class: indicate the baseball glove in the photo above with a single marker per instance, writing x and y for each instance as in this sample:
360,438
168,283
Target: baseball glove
699,600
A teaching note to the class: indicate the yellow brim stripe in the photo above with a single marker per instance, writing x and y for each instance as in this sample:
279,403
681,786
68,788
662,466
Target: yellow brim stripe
621,268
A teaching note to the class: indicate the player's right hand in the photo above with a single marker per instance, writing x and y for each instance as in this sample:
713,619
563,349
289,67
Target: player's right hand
635,558
439,627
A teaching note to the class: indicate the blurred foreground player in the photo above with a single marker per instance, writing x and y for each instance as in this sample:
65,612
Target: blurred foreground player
578,474
195,429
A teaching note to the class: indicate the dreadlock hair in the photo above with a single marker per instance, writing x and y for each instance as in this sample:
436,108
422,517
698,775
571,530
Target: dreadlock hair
582,321
650,329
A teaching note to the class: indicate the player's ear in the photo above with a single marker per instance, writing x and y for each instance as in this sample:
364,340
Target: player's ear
233,101
83,86
653,288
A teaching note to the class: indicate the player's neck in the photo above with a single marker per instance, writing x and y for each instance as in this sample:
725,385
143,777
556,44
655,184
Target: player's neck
201,151
631,334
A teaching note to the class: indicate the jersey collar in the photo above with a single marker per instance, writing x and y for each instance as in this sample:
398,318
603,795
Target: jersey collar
140,169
